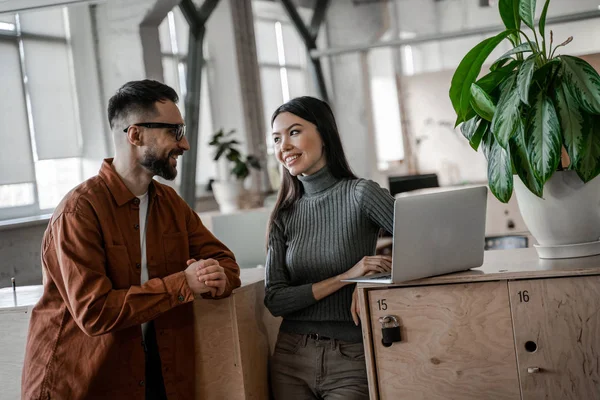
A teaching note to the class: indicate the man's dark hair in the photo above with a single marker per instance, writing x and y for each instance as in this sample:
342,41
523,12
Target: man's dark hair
138,97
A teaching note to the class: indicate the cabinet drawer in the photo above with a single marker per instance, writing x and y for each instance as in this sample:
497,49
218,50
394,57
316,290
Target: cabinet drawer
457,342
557,337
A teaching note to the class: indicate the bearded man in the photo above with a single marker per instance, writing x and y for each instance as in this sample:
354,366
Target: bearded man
124,256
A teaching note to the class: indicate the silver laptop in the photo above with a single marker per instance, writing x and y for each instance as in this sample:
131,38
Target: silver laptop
436,233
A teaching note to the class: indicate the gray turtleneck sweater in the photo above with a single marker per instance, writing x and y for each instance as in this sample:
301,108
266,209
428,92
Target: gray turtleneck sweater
325,233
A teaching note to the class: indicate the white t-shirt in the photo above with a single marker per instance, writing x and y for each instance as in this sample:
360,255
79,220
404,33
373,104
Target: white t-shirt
143,216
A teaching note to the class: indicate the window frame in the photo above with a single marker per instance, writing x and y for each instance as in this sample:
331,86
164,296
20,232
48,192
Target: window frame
15,35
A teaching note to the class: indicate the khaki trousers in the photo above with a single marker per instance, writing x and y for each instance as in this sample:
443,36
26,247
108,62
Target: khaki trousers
305,368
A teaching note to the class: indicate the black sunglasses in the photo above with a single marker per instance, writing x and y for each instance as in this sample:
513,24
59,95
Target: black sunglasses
179,128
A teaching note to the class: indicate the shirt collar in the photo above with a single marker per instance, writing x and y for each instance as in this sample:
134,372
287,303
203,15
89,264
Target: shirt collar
116,186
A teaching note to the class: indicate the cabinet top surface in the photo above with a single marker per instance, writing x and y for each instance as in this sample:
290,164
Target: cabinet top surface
511,264
26,296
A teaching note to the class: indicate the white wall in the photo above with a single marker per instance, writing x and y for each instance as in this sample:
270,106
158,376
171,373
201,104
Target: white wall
440,148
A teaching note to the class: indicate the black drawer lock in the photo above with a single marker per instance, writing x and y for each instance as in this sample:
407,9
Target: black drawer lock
390,330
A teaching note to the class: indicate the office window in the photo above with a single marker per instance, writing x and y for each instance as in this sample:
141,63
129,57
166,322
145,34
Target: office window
41,160
385,105
282,61
174,38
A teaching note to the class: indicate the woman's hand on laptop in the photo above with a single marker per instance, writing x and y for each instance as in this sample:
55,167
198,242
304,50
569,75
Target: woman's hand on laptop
369,265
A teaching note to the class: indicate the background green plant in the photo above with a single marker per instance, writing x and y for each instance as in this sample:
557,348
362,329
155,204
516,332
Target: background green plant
227,146
530,105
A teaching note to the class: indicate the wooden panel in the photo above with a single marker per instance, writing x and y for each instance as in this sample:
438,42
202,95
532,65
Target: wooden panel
14,324
218,367
456,343
562,317
234,339
253,329
365,316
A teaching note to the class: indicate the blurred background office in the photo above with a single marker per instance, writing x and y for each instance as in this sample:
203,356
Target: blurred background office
385,66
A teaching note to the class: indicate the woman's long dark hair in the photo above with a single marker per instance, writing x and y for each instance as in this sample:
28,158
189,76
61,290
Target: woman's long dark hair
319,113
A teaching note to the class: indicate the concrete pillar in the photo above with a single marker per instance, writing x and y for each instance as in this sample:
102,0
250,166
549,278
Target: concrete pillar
349,24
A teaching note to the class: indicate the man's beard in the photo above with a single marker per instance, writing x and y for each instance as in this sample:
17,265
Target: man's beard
160,166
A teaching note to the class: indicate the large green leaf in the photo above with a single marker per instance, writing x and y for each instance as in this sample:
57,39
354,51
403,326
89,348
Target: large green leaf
491,81
527,12
509,12
473,130
571,122
520,160
482,103
500,174
467,71
468,128
524,78
482,128
543,138
507,113
588,166
522,48
543,18
583,81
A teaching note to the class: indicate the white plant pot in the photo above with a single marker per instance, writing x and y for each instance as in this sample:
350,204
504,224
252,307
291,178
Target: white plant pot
227,194
568,214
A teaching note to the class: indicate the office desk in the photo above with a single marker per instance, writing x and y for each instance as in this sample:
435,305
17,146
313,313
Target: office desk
516,328
234,338
15,311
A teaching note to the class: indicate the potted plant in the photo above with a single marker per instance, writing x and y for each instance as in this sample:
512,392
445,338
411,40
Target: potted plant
234,169
536,114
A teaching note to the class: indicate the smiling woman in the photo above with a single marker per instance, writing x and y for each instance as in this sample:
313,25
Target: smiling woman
323,228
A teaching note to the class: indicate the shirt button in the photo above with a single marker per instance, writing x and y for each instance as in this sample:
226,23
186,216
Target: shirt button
137,265
181,298
136,201
136,227
141,383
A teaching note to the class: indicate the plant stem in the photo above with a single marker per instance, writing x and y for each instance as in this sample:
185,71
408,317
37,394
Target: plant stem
529,41
537,43
544,48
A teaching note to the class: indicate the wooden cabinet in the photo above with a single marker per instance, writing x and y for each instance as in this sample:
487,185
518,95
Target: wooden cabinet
556,326
455,339
516,328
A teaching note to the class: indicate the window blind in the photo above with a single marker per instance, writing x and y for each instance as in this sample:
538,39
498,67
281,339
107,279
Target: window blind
53,100
16,163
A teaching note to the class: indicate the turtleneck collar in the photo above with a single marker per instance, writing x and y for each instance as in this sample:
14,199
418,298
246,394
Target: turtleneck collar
317,182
